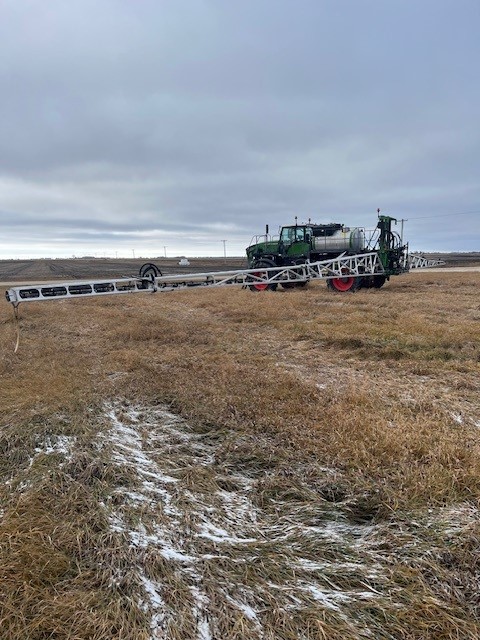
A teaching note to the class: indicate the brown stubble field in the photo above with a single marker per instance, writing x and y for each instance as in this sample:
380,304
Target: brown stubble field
227,464
15,271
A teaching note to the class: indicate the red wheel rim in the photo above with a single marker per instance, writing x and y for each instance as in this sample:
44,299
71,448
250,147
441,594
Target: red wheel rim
259,286
343,284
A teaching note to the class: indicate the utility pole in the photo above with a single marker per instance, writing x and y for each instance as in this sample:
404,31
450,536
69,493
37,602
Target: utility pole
224,250
165,251
401,229
133,251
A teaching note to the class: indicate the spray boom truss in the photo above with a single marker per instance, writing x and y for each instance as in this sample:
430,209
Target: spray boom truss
341,267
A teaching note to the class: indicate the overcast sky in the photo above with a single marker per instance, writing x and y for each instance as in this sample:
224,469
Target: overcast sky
133,125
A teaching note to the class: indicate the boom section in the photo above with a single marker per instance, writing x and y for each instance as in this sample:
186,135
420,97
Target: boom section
419,262
353,266
358,265
75,289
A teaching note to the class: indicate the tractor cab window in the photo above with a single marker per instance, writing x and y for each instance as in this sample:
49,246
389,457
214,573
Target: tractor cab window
292,234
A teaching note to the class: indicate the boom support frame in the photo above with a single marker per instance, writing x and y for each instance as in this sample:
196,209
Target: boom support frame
354,266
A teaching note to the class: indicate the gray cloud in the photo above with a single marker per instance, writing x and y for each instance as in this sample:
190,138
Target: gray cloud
196,121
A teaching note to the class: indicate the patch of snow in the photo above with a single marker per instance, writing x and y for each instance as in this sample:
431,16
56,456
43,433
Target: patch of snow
153,592
322,596
55,444
247,611
173,554
134,496
154,604
453,520
194,529
239,507
203,630
210,531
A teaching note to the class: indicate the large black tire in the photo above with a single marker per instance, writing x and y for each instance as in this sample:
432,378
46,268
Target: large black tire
379,281
348,284
149,271
260,286
374,282
294,285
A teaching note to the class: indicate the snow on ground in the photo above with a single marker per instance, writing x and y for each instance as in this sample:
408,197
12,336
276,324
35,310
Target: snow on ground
56,444
53,444
179,511
211,549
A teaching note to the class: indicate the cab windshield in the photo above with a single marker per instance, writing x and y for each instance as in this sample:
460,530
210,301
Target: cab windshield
292,234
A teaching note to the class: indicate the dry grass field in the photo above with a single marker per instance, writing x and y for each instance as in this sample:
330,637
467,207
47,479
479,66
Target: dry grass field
222,464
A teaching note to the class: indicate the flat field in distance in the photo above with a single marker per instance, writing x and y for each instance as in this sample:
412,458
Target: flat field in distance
227,464
89,268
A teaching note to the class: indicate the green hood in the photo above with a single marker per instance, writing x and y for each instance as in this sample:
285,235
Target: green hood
257,250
